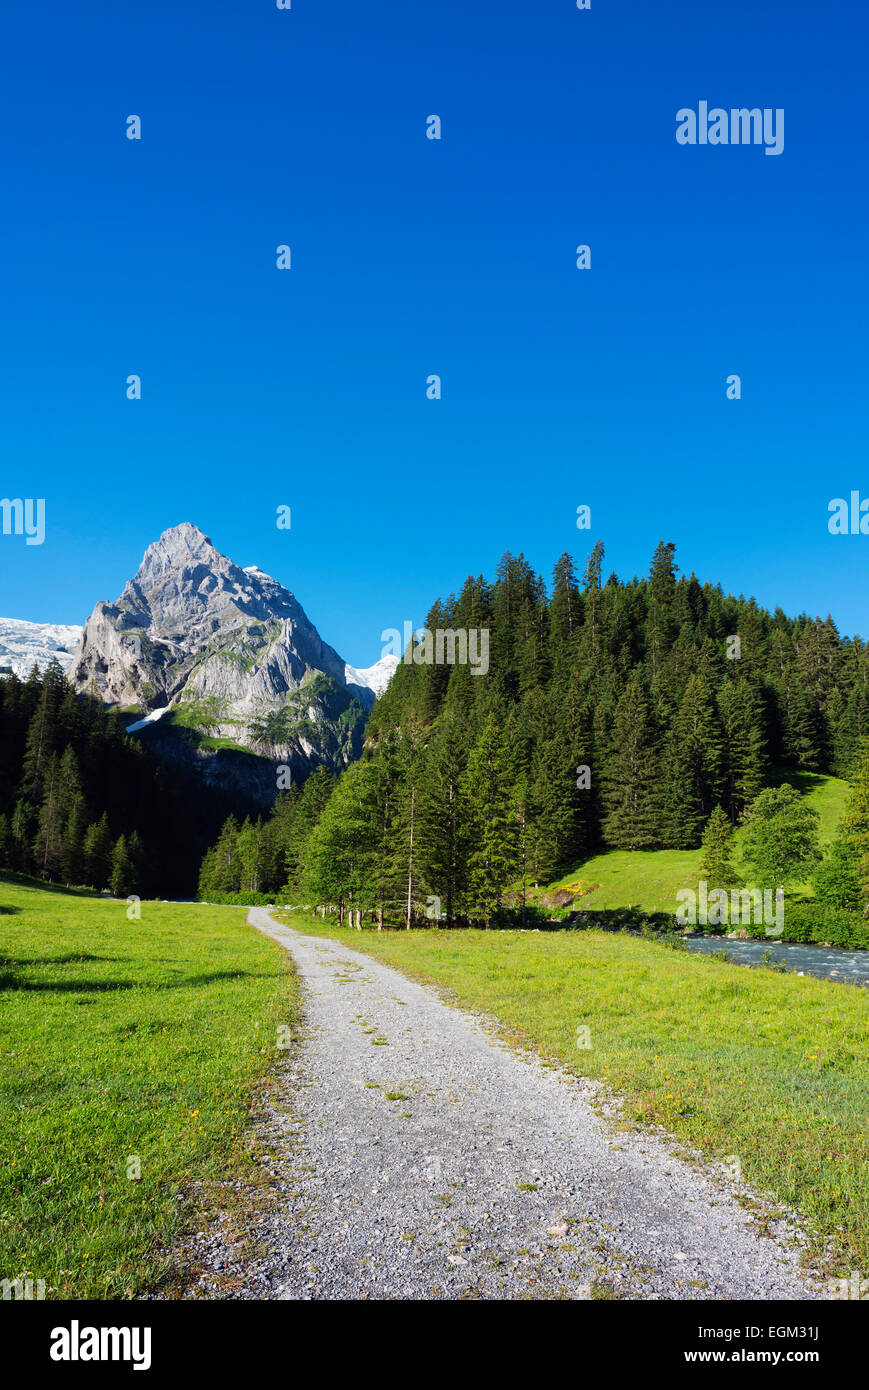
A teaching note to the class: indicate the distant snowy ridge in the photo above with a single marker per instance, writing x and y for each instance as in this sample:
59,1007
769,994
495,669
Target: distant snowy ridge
24,645
376,677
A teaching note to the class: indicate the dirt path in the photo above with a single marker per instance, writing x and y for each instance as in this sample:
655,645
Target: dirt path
424,1159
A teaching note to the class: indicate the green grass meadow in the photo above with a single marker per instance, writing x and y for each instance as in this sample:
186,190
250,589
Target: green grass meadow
143,1042
651,879
769,1067
119,1040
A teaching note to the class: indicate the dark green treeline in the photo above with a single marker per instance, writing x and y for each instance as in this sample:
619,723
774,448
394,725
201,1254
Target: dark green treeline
83,804
675,698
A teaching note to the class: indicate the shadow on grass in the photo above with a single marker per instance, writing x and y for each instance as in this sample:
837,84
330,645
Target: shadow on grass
10,980
803,781
72,958
45,885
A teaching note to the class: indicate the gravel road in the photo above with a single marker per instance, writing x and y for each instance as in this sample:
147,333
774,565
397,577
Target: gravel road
415,1156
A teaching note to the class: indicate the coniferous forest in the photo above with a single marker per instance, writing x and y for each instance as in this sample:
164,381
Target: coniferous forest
81,802
612,715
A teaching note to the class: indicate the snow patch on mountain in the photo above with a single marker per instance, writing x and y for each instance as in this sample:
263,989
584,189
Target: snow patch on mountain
149,719
376,677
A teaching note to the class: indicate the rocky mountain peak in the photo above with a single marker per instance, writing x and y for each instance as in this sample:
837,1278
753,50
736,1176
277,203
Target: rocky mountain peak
187,588
179,546
228,654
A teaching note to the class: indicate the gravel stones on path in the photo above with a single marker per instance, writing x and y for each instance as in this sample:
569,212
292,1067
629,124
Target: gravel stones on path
414,1155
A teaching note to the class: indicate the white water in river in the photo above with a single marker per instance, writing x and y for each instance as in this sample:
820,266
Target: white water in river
828,962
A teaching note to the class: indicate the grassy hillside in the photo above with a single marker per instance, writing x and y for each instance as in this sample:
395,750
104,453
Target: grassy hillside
772,1069
651,878
827,795
123,1039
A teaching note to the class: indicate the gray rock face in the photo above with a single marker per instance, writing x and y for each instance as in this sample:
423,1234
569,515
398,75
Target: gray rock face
225,653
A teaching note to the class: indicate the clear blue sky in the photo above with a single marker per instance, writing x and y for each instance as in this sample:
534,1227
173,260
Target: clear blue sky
411,257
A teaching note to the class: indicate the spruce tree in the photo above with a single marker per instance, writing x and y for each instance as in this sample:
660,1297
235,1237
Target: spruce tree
22,828
249,849
800,734
443,841
556,840
591,640
137,856
73,816
693,767
661,623
632,792
488,796
337,868
121,875
48,849
741,715
72,856
225,868
716,866
42,733
409,754
565,607
98,853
